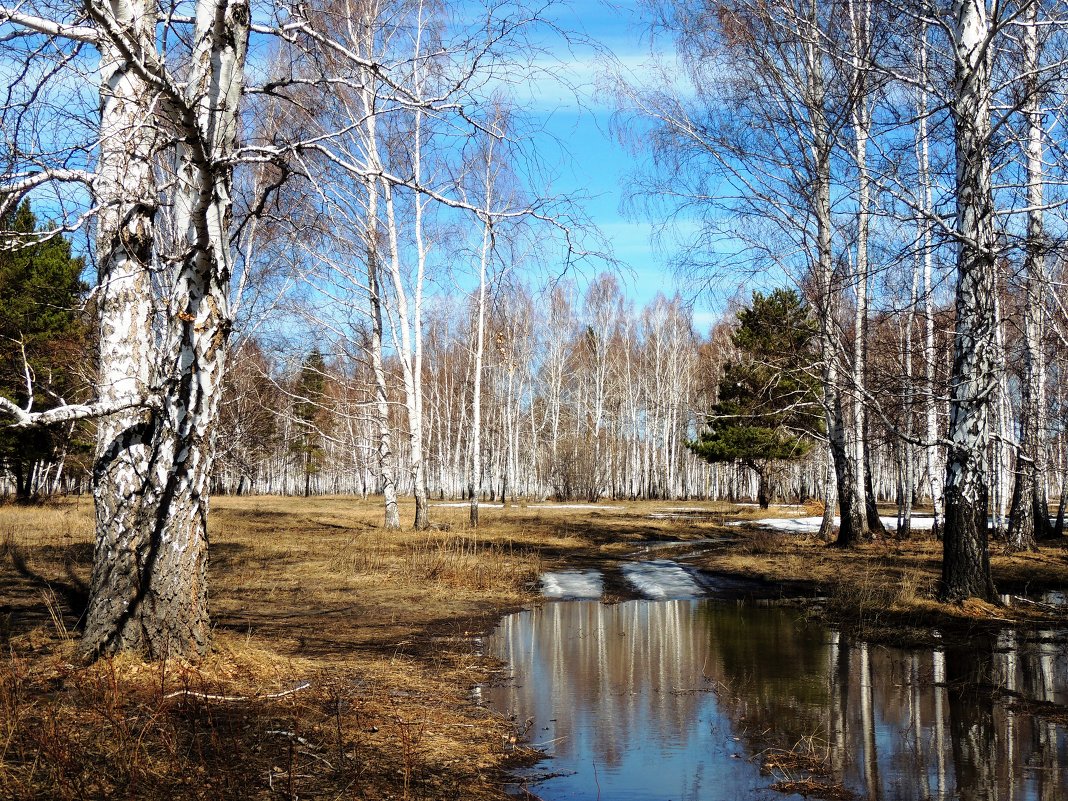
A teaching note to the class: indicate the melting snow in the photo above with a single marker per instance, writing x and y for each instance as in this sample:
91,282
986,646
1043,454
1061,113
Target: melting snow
772,506
690,517
811,525
569,506
572,584
462,504
661,579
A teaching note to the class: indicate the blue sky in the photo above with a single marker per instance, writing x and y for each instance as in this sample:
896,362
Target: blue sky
577,126
583,155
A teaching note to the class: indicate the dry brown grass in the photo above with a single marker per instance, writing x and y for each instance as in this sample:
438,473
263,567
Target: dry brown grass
378,624
374,627
883,585
303,591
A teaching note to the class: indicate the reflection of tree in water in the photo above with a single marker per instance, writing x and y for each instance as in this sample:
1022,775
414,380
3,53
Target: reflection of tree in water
1039,665
772,669
998,691
897,725
971,724
900,725
793,685
618,675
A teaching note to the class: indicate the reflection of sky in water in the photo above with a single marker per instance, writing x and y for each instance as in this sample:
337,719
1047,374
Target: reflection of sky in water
621,695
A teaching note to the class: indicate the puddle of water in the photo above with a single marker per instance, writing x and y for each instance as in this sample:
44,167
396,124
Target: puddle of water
683,700
1049,600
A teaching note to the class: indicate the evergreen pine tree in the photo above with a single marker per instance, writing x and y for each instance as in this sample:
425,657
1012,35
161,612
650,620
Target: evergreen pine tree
768,408
42,334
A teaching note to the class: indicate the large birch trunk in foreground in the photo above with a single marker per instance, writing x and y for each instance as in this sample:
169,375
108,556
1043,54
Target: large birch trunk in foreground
973,382
152,468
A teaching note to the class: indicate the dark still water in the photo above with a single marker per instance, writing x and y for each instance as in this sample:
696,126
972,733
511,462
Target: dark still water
687,700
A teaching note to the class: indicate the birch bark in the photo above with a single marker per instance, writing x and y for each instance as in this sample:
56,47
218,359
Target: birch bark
973,381
934,470
852,528
1029,514
860,32
152,470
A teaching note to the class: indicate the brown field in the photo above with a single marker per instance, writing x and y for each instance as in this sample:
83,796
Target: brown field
344,656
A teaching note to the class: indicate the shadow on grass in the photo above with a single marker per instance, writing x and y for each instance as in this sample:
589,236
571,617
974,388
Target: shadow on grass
33,590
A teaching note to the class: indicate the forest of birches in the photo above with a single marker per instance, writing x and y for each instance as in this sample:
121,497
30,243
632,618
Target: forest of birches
585,397
360,230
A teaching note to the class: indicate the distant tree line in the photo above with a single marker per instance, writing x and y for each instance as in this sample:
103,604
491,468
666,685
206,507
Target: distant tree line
328,267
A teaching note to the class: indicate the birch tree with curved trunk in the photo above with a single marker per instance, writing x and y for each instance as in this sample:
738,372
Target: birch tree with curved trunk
163,299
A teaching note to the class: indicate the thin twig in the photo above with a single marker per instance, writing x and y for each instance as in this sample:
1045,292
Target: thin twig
304,685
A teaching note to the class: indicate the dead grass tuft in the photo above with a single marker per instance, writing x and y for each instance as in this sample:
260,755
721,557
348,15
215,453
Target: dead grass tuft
804,769
811,788
341,665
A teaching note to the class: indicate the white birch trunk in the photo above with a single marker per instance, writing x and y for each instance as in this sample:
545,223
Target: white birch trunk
973,382
153,468
934,468
475,480
852,527
1029,516
860,25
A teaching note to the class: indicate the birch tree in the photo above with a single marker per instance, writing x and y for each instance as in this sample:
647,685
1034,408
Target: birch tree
752,156
1029,516
973,382
163,344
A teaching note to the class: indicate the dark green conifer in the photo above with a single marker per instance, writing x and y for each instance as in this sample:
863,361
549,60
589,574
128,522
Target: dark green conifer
768,408
42,333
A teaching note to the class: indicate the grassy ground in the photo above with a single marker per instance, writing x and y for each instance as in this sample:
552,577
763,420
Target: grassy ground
344,656
888,589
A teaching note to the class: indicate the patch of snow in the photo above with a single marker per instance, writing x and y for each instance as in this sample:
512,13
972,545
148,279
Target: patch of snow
661,579
666,516
464,504
569,506
572,584
811,525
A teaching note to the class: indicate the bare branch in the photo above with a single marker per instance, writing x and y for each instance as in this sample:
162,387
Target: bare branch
77,33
